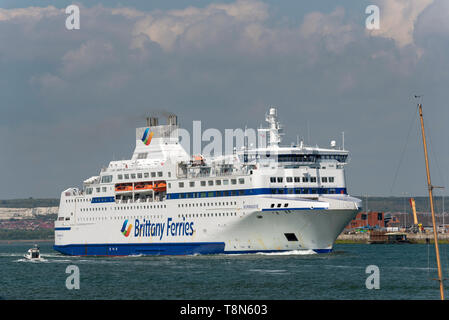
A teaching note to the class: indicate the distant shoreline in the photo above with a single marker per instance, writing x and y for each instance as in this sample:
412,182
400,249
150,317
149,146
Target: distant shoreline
26,240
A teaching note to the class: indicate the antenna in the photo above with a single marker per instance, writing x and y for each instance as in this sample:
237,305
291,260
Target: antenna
308,133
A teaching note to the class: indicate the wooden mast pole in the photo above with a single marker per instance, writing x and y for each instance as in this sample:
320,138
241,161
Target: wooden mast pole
430,188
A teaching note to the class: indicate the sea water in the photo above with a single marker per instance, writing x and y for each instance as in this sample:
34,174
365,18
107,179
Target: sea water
406,271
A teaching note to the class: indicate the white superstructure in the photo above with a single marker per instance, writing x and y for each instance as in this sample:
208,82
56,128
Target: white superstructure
163,201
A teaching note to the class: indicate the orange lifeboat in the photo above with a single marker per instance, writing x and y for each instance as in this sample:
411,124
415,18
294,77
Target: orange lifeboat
123,187
143,186
139,186
160,186
148,185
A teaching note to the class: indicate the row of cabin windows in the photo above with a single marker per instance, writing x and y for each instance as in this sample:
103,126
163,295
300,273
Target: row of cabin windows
193,215
309,158
188,195
298,179
118,218
79,200
140,175
206,204
127,176
303,191
201,215
218,182
126,207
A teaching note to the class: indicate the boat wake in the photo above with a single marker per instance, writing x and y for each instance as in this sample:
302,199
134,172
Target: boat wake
32,261
289,253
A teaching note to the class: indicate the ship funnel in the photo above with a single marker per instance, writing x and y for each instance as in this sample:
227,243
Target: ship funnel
172,120
152,122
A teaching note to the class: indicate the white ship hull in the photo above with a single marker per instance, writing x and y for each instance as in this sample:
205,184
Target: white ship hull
243,228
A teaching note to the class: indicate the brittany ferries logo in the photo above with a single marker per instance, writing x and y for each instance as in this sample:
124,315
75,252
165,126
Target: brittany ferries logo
171,228
147,136
126,231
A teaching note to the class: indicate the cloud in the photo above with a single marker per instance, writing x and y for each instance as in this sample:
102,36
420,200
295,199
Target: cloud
197,26
330,28
398,18
90,56
30,14
48,82
244,27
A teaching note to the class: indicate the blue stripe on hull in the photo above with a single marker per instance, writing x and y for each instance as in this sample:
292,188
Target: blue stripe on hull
322,250
156,249
141,249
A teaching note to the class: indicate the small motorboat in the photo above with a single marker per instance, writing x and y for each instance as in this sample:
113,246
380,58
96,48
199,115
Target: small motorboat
33,254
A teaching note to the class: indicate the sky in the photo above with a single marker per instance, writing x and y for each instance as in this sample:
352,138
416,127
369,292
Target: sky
70,100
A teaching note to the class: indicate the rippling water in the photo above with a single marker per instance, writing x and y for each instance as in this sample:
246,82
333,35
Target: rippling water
405,273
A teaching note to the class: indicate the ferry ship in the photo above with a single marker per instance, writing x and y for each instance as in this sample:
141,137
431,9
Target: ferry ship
165,202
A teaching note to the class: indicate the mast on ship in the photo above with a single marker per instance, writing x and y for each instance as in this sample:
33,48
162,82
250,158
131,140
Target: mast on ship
430,188
274,129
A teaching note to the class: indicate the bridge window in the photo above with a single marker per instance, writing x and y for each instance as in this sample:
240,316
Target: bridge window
120,177
323,179
181,184
289,179
191,183
305,179
106,179
312,179
272,179
233,181
331,179
297,179
279,179
296,158
218,182
241,180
